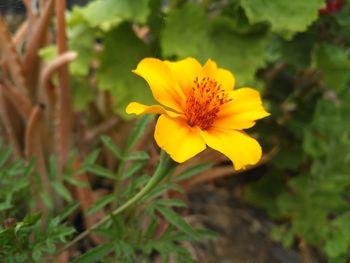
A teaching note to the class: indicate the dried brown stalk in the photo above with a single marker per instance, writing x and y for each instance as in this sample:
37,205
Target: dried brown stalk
9,58
34,149
21,33
31,59
20,102
64,107
9,123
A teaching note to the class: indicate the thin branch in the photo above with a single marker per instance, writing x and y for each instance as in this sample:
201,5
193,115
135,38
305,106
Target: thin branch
20,33
101,128
223,171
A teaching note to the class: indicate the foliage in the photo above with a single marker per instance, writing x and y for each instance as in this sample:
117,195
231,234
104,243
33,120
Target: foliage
307,184
128,237
297,55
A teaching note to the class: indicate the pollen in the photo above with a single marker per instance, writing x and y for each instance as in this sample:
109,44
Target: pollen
204,102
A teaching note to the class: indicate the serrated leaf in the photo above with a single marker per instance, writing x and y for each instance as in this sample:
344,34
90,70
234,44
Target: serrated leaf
186,32
334,63
94,254
246,52
284,16
102,202
108,13
122,51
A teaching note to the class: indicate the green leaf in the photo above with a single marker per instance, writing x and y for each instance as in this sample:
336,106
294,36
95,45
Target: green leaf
170,203
67,211
112,146
108,13
132,169
83,93
102,202
247,52
138,131
177,221
94,255
91,158
193,171
62,191
122,51
186,32
100,171
136,156
4,155
82,40
334,63
284,16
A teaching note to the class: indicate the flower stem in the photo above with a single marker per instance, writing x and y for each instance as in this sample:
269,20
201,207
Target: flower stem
162,170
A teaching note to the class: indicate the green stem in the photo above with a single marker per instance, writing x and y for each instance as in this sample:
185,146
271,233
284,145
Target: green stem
162,170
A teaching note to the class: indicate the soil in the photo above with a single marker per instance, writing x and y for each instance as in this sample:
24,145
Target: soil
244,230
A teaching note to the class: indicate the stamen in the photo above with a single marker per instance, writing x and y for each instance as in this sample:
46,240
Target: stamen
204,102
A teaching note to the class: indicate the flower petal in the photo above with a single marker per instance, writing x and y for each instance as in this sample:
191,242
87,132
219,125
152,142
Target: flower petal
178,139
185,71
241,113
240,148
162,83
138,109
222,76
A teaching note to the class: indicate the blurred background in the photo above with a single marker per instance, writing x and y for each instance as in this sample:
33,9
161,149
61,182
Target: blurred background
294,205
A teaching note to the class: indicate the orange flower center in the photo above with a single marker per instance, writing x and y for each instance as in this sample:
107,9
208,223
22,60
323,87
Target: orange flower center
204,102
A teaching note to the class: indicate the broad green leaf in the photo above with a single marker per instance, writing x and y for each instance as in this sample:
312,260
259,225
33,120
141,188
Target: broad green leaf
243,55
82,40
122,51
83,93
284,16
334,63
186,32
95,254
108,13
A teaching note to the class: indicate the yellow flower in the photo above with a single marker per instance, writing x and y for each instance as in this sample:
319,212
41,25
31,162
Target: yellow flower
199,108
